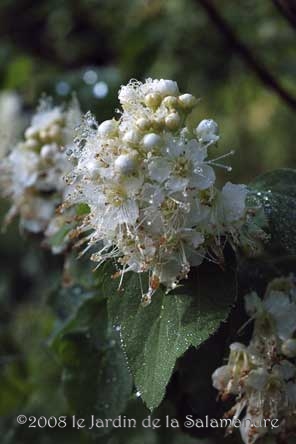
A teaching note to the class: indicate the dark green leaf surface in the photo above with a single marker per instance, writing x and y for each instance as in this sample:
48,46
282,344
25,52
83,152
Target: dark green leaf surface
95,376
276,191
155,336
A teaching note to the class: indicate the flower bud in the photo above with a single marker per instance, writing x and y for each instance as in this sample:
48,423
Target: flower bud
173,121
31,144
187,101
125,164
289,348
30,132
48,150
167,88
151,140
44,135
152,100
170,102
131,136
143,124
207,131
158,123
54,131
108,128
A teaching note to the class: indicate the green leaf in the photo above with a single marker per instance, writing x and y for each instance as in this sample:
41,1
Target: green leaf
58,238
82,209
80,272
276,192
19,72
31,330
14,388
155,336
96,380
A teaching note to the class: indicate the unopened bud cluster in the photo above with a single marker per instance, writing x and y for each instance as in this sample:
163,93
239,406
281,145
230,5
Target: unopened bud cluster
262,375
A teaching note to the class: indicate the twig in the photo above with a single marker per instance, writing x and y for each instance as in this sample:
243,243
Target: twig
288,10
246,54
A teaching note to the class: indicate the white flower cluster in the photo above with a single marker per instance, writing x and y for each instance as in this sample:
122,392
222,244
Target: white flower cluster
262,375
32,173
149,184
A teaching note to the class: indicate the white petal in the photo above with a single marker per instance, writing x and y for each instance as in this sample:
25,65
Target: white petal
221,377
233,199
175,184
257,379
196,153
250,435
159,169
203,177
207,131
283,311
166,87
128,212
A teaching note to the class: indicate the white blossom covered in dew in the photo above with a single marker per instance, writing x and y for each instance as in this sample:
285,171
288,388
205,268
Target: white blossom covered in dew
32,173
262,375
11,121
149,184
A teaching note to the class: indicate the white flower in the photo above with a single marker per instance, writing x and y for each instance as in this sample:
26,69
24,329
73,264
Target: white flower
24,168
262,375
207,131
233,198
221,377
150,186
35,213
283,310
166,87
182,165
108,128
33,171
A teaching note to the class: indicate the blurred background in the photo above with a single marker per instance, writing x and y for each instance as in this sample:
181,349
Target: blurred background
237,56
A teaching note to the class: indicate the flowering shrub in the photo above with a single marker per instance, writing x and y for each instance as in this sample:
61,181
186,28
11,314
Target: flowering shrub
139,196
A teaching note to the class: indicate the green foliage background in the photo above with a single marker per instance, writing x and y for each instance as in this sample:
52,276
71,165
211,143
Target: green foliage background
48,46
